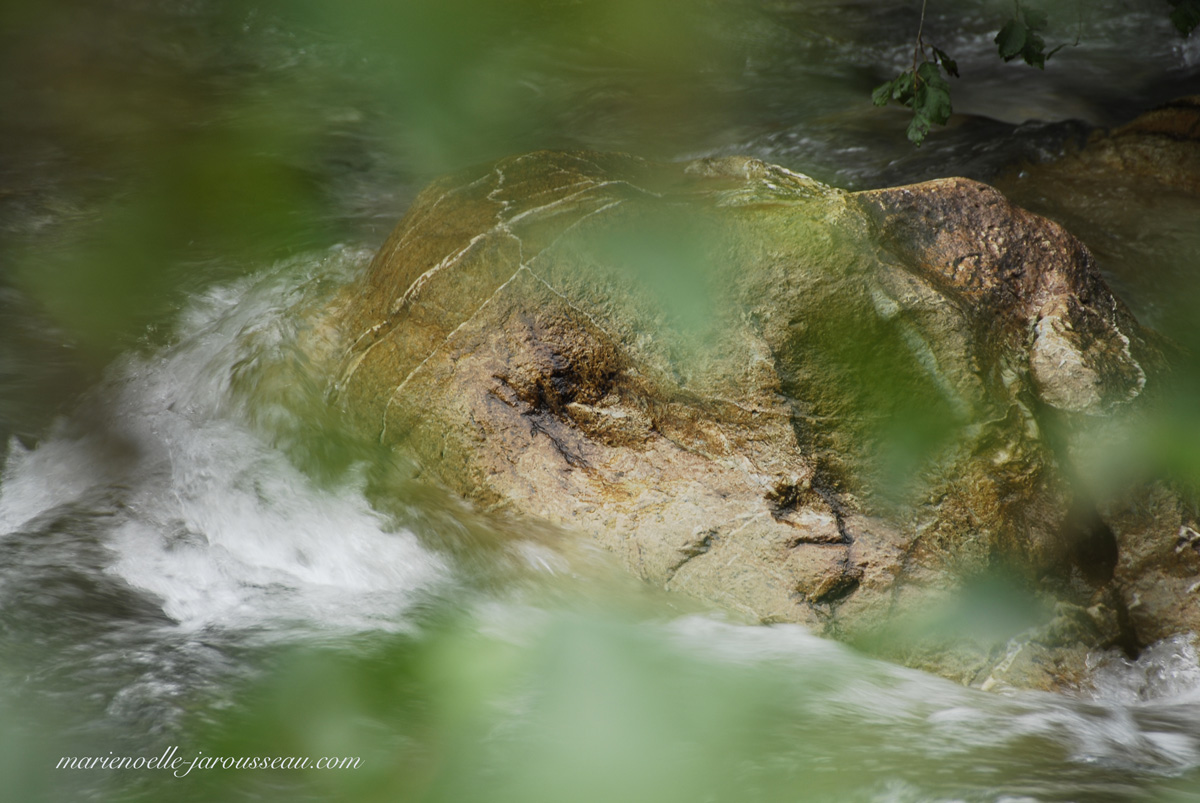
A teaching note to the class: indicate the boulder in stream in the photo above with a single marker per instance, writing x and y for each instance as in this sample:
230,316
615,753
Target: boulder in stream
803,404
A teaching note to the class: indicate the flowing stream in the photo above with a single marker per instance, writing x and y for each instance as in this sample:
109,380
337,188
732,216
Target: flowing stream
192,554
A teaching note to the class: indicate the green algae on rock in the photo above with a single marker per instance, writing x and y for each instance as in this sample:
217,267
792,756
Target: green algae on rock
803,404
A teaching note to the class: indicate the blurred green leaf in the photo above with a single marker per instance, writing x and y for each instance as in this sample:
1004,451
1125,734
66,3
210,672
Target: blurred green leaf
1011,39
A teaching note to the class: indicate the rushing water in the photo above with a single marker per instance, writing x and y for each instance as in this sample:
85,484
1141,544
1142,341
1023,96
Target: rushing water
192,555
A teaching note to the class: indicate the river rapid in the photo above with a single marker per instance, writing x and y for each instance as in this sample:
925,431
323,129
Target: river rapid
194,555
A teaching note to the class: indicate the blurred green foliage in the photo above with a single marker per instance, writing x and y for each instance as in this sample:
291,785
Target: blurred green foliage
576,708
157,148
599,708
458,73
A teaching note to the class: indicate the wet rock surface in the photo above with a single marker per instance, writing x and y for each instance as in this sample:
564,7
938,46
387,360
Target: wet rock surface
802,404
1161,146
1132,195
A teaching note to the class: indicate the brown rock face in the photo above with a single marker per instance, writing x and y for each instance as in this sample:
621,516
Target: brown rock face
1162,145
804,404
1133,196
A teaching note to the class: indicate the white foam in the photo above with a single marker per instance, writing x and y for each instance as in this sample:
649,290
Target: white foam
213,519
1165,672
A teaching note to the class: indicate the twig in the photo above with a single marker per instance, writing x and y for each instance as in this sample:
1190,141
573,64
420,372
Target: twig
919,50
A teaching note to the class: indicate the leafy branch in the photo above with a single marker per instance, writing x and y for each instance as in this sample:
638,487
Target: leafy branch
1021,36
921,88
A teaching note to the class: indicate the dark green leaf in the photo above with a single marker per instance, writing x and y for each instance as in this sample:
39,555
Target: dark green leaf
882,94
917,130
902,88
1186,16
929,73
933,102
1034,51
1011,39
948,64
1034,18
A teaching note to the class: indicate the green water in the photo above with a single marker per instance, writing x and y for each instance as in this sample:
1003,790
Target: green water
192,553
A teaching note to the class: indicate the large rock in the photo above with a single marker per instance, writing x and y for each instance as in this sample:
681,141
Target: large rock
804,404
